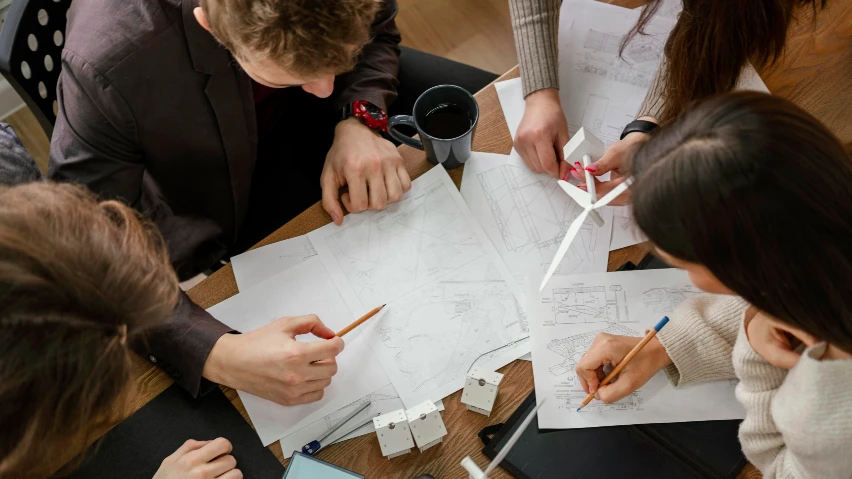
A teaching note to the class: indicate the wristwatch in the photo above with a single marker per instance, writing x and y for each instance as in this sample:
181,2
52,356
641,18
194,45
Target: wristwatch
642,126
369,114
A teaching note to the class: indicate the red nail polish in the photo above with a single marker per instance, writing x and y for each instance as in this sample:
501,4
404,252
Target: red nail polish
565,176
578,165
591,169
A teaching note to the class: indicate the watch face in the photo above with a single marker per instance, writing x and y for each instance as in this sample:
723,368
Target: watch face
373,111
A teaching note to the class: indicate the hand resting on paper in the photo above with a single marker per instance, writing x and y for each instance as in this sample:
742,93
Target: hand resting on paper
543,133
612,162
369,165
201,460
609,349
268,362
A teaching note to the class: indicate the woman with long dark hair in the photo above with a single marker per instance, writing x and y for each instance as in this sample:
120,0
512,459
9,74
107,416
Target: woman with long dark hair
711,43
750,195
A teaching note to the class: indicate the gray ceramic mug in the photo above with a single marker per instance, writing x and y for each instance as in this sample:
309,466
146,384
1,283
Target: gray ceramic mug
445,117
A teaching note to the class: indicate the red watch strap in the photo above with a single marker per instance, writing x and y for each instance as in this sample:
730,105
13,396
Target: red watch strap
378,122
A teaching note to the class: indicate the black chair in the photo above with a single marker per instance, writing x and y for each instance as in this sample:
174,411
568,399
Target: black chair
31,44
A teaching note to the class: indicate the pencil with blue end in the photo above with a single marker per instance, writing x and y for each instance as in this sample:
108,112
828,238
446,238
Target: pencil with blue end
590,188
624,362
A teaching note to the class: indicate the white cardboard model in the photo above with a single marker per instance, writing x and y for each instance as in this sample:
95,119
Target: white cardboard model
393,433
480,390
426,425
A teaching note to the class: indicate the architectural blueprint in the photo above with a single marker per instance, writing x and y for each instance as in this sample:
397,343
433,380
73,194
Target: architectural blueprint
258,265
566,317
303,289
450,297
382,401
606,88
526,216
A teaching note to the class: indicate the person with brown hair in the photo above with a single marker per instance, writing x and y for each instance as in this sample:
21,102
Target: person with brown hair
705,53
750,195
78,280
223,119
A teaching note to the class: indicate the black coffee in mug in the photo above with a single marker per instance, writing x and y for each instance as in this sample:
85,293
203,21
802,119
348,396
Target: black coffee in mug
445,117
447,121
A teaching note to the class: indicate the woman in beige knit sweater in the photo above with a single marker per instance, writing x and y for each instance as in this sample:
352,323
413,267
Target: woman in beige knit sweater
750,195
706,51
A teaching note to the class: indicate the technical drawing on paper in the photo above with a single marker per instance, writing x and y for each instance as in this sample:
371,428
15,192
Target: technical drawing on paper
588,304
665,300
533,214
573,348
405,246
432,337
571,399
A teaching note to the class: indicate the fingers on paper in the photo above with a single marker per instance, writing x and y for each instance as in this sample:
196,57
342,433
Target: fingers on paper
546,153
358,197
603,351
330,194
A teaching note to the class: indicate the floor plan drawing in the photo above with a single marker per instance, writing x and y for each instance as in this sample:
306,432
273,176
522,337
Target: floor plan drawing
589,304
567,316
665,300
526,215
432,338
449,297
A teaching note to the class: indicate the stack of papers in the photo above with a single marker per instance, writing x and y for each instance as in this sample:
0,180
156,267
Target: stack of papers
452,268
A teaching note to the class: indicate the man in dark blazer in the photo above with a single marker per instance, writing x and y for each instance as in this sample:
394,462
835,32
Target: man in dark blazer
181,108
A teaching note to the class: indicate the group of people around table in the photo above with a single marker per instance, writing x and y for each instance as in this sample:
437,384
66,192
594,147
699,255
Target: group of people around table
188,130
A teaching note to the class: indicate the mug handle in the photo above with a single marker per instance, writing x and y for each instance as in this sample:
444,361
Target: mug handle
403,120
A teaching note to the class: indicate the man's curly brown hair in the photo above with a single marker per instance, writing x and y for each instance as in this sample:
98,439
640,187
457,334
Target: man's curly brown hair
306,37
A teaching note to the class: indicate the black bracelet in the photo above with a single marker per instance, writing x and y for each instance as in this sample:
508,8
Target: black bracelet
642,126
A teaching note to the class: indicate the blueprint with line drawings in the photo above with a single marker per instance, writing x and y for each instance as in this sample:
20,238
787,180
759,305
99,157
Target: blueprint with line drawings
257,265
450,297
526,216
571,311
607,89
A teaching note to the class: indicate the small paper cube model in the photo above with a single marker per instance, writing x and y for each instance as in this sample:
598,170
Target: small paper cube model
393,433
583,143
480,390
426,425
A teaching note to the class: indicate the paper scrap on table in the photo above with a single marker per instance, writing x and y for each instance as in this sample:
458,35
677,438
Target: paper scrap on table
526,215
303,289
382,401
567,315
450,297
258,265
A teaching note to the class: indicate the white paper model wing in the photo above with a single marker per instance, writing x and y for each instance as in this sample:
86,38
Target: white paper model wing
583,199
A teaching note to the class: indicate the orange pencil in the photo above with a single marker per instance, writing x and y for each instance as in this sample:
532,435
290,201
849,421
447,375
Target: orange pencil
360,320
628,358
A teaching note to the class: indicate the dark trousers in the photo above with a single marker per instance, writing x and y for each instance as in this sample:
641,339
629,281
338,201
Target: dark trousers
291,152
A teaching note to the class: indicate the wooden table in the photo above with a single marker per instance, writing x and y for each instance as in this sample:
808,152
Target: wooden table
815,74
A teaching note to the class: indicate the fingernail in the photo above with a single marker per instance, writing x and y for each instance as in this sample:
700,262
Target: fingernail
335,217
576,174
582,187
591,169
565,176
597,396
578,165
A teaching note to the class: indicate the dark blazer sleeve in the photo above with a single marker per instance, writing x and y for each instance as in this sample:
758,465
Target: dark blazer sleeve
95,144
375,76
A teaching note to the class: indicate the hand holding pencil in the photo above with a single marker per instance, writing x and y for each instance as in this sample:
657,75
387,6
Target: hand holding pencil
635,361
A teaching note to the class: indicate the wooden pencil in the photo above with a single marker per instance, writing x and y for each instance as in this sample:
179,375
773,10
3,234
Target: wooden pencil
624,362
360,320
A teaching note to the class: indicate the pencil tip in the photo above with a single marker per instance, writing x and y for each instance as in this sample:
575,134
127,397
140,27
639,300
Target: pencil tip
578,409
384,305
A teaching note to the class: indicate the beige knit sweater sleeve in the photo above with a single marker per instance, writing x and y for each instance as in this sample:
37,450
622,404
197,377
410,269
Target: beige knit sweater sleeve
700,338
536,26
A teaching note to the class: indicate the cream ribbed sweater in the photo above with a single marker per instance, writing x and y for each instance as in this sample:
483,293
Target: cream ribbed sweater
798,423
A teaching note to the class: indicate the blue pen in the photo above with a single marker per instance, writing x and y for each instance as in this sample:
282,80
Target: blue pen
628,358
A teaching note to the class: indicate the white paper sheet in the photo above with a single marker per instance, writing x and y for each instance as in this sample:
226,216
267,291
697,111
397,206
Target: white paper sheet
572,310
260,264
526,215
450,297
382,401
303,289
